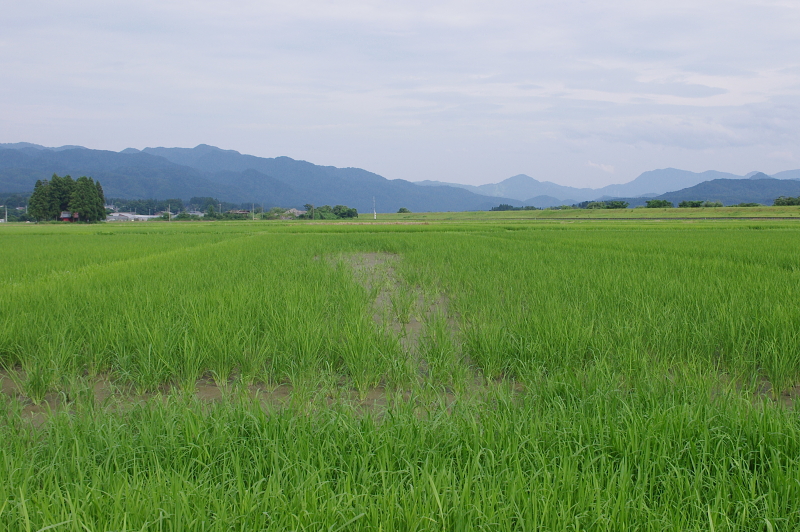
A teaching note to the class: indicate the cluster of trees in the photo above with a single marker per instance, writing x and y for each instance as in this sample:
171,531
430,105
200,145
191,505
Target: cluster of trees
208,216
214,213
326,212
700,203
206,203
13,206
147,206
650,204
214,207
507,207
12,201
611,204
658,204
785,201
82,196
14,214
689,204
276,213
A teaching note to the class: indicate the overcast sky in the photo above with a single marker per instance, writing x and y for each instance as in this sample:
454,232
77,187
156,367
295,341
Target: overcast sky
579,93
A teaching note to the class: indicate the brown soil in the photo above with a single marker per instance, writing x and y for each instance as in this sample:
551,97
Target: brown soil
377,272
376,401
7,385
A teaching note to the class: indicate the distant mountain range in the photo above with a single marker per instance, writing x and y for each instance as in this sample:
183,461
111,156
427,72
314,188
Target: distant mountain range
649,184
228,176
759,188
233,177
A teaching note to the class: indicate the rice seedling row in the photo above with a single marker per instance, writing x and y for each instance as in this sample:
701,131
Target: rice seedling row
531,376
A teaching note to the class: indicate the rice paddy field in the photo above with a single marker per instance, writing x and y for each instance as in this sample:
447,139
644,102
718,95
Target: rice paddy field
491,374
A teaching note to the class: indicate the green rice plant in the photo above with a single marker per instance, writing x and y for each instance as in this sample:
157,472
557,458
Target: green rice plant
399,363
626,367
40,376
403,301
361,358
572,455
441,357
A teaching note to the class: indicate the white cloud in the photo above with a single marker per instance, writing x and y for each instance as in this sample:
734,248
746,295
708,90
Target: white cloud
783,156
604,167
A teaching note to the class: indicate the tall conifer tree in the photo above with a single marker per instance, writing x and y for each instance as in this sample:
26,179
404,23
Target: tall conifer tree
101,201
84,200
41,204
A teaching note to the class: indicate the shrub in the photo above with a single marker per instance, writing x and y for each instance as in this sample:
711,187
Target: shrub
785,201
658,204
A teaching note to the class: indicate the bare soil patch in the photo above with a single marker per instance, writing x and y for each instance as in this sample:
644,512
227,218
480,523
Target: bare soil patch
7,384
401,308
425,400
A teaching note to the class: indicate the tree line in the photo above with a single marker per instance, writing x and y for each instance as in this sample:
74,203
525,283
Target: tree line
785,201
146,206
326,212
507,207
12,201
611,204
649,204
82,196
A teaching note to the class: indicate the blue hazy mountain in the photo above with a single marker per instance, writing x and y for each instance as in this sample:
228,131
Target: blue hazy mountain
125,175
787,174
542,202
23,145
282,181
652,183
759,188
229,176
324,184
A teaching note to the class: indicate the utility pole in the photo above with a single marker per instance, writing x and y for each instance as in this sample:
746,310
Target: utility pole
169,212
374,212
253,207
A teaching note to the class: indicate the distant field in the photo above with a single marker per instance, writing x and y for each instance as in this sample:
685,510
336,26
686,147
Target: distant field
634,214
505,371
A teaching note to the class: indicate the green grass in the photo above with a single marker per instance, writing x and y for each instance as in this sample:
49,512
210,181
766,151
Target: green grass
572,455
605,375
600,214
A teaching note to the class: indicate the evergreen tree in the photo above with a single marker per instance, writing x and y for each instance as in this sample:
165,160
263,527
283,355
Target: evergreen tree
62,189
40,206
84,200
84,197
101,201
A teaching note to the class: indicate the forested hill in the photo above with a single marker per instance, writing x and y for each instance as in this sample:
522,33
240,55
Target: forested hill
126,175
206,171
229,176
730,191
